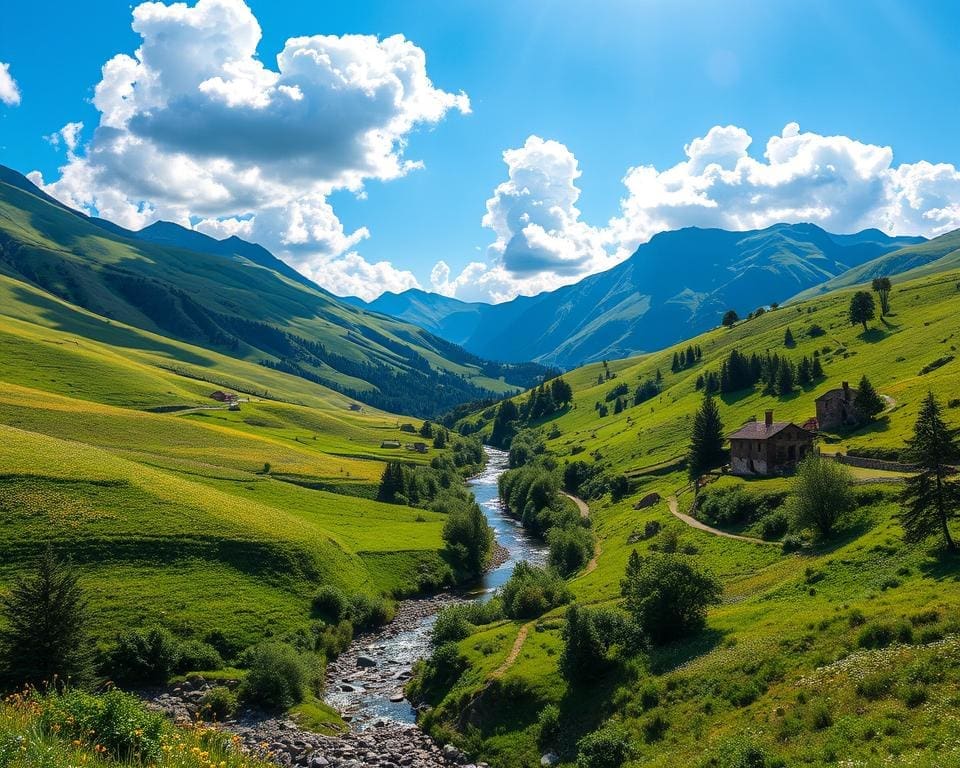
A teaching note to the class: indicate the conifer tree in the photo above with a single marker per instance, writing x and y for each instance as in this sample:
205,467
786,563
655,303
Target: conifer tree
931,497
785,378
816,368
706,440
867,401
788,338
45,639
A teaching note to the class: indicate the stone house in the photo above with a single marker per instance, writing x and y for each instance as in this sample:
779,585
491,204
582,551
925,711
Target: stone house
837,408
768,447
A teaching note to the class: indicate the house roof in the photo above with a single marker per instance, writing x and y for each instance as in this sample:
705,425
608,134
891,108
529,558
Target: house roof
758,430
838,391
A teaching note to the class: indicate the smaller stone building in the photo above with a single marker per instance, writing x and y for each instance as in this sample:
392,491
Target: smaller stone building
768,447
837,408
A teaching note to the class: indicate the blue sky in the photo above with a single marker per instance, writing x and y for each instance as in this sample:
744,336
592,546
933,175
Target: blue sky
608,86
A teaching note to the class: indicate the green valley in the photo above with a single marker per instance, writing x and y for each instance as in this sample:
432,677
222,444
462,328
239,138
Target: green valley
818,651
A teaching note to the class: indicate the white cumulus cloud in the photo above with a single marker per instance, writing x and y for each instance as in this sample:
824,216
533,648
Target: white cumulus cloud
194,127
837,182
9,90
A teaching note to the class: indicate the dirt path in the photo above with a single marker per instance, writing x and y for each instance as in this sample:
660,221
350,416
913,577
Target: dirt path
694,523
514,651
525,629
891,403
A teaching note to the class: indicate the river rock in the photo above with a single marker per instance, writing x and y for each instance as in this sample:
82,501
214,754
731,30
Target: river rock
366,661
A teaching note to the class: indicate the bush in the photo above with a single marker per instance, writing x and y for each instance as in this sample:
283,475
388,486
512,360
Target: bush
451,625
548,726
437,673
117,720
741,752
532,591
668,595
876,635
196,656
570,548
876,685
279,677
791,544
331,604
607,747
368,612
774,525
218,704
144,657
822,495
588,635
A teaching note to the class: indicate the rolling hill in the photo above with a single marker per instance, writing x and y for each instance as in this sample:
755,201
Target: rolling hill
843,651
673,287
235,297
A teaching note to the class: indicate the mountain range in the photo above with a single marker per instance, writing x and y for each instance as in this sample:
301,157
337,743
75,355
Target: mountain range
237,298
674,286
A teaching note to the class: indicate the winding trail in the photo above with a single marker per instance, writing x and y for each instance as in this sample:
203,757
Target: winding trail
525,629
694,523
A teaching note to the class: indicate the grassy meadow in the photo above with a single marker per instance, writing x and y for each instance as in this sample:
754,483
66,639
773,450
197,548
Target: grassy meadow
179,511
846,653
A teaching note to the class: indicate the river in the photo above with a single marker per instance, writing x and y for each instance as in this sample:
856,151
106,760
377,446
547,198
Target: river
373,694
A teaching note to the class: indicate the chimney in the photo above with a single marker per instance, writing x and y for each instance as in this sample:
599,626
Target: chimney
846,390
768,420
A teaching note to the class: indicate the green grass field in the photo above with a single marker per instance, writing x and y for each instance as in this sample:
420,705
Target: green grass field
112,451
779,664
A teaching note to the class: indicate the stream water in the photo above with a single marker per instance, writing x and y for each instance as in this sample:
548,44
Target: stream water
365,683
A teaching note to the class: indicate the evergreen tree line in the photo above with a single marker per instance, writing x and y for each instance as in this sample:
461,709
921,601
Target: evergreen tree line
544,400
686,358
775,373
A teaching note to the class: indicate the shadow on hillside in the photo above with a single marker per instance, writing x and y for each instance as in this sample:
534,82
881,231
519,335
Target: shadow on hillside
730,398
873,335
667,658
942,565
862,523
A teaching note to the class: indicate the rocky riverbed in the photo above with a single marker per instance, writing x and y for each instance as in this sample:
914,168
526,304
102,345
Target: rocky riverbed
382,744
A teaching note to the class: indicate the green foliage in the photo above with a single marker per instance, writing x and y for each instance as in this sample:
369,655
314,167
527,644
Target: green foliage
469,540
741,752
524,447
668,595
932,496
116,720
607,747
548,726
570,548
197,656
821,495
368,612
45,640
867,401
706,440
862,309
144,657
882,287
532,591
730,318
278,677
588,636
218,704
331,604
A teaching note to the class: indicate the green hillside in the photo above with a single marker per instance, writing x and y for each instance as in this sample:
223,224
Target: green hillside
845,652
236,298
941,254
179,510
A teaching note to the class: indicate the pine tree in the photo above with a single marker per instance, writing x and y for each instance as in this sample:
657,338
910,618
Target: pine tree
785,378
691,356
45,640
804,375
816,369
867,401
788,339
675,365
706,441
931,498
618,406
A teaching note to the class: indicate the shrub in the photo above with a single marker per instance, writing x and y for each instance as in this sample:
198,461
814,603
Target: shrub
654,728
116,720
532,591
196,656
451,625
914,695
144,657
588,635
791,543
818,716
548,725
774,525
279,677
368,612
607,747
822,495
741,752
668,595
440,671
570,548
218,703
330,604
876,635
876,685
